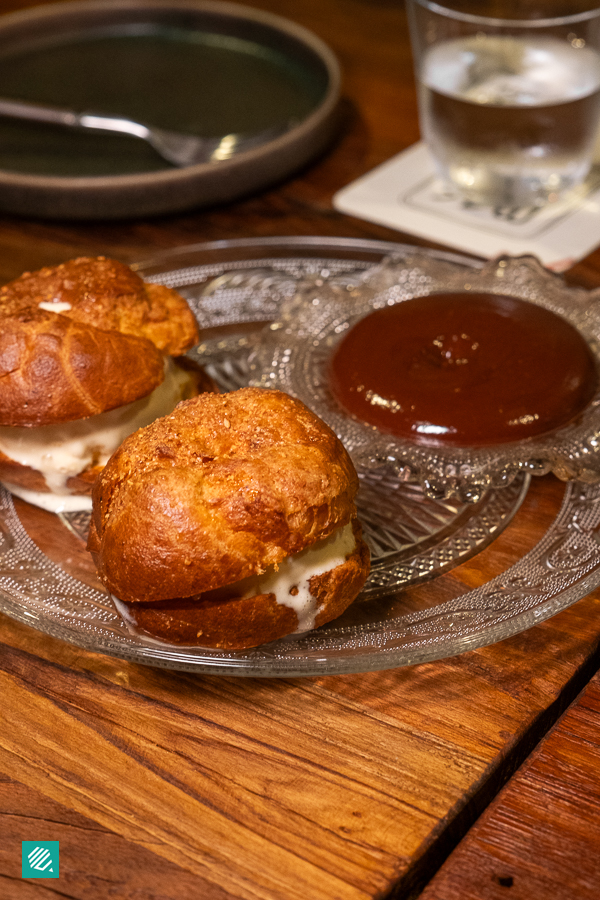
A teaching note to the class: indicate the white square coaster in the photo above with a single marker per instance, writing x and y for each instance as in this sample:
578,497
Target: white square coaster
404,193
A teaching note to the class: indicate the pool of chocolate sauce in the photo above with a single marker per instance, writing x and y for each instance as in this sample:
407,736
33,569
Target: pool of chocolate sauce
467,369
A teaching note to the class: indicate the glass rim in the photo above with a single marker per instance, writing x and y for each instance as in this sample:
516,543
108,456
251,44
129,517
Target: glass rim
510,23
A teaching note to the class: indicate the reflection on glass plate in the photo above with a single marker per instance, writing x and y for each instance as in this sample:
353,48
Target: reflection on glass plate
235,287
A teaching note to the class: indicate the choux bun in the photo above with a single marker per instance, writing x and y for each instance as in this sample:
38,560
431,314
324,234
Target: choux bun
84,337
194,514
79,343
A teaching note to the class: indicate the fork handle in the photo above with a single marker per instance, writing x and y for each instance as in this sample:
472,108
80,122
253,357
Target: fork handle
54,115
35,112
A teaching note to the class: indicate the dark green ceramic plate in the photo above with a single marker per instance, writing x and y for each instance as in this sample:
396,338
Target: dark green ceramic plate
204,68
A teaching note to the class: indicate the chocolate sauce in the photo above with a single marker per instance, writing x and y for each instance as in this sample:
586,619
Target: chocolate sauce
467,369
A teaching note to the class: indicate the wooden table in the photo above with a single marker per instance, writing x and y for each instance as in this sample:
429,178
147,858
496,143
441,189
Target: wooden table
539,837
166,785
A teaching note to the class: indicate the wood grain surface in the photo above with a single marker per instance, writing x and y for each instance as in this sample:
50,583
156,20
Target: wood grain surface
159,783
102,865
343,786
540,836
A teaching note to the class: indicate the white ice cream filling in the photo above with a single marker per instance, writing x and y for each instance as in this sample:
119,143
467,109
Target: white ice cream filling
61,451
290,583
294,574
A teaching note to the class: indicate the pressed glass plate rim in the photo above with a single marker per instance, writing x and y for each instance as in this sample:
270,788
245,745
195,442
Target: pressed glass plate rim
294,353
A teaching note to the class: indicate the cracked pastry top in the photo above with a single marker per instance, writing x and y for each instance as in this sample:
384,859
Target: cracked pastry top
88,353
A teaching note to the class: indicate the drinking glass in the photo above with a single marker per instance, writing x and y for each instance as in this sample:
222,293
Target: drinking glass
509,107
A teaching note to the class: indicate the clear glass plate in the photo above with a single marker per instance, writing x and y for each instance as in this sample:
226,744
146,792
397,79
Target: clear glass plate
235,288
295,353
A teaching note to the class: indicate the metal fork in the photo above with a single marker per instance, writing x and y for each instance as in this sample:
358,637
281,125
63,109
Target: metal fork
178,149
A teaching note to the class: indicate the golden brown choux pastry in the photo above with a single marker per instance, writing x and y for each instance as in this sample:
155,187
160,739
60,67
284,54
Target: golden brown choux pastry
79,340
230,522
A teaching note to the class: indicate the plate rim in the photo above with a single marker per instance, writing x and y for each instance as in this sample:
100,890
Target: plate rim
295,242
